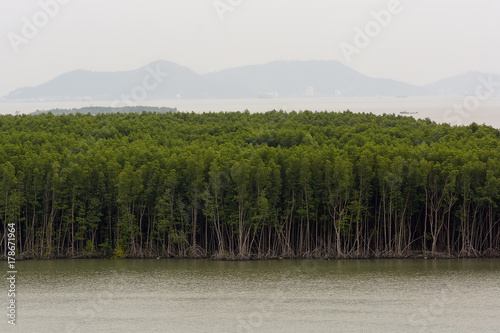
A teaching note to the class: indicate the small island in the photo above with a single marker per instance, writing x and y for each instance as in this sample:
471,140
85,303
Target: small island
106,110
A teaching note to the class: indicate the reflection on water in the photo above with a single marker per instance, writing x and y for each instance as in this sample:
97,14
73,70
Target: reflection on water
258,296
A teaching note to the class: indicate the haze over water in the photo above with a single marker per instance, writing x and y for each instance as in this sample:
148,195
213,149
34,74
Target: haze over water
414,42
451,110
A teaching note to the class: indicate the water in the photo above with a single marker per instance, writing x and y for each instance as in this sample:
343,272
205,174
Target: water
257,296
458,110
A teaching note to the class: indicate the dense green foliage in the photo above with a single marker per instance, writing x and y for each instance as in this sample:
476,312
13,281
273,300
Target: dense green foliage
240,185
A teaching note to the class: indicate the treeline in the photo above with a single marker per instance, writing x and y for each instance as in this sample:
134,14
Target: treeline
241,185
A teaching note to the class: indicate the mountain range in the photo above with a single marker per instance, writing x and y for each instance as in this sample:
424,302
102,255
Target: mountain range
167,80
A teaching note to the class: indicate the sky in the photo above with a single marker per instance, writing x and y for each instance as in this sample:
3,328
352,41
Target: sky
414,41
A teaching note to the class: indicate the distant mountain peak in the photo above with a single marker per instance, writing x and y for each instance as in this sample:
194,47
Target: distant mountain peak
162,79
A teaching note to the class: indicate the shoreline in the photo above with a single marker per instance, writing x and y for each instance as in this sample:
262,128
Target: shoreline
489,254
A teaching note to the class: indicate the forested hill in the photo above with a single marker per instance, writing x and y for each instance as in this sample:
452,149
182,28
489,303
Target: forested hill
241,185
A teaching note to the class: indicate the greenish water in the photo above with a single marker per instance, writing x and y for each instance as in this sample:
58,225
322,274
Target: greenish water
256,296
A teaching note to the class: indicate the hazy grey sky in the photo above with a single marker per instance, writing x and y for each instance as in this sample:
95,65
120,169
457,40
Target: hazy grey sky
416,41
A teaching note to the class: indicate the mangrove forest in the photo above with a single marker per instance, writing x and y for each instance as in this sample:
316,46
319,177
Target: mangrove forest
237,185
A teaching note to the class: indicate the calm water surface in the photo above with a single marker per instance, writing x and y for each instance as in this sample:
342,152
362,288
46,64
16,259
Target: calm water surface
257,296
